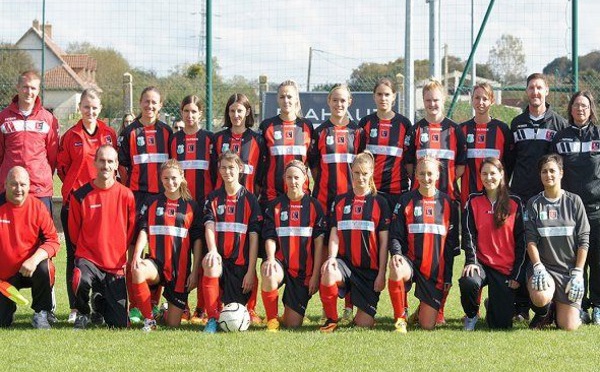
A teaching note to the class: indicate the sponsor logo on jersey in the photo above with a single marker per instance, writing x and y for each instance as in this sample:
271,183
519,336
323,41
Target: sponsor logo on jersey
141,141
417,212
277,135
5,221
470,138
284,216
180,149
160,211
108,140
77,144
373,132
94,206
424,137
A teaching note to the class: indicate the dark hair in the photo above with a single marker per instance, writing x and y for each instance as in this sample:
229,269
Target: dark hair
502,207
231,157
537,75
387,82
587,94
193,100
151,88
244,101
550,158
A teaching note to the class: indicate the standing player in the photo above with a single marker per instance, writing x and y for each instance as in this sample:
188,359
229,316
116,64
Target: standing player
101,226
29,241
143,147
557,232
579,145
287,137
232,224
293,231
424,239
485,137
75,167
358,248
250,147
192,147
493,238
533,131
385,133
29,138
170,226
441,138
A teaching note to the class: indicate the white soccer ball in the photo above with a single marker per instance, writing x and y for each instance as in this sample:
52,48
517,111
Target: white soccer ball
234,318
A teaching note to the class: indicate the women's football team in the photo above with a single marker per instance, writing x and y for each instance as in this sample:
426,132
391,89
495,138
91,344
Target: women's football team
386,208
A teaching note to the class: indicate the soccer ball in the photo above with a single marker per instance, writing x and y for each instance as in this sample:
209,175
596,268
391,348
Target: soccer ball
234,318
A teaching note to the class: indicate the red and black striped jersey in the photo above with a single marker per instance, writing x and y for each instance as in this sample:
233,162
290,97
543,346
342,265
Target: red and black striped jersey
172,227
102,225
492,139
250,146
333,150
425,230
443,141
142,149
285,141
386,139
294,225
358,220
235,217
194,153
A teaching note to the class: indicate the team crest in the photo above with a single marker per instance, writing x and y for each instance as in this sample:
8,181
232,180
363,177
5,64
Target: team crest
543,215
525,216
553,214
191,148
151,140
384,134
170,212
277,135
480,138
289,134
424,137
160,211
373,132
295,215
236,148
341,140
329,140
595,145
347,209
225,147
284,216
358,209
119,141
180,149
406,140
230,209
418,212
549,135
470,138
435,137
141,141
39,125
108,140
220,209
429,211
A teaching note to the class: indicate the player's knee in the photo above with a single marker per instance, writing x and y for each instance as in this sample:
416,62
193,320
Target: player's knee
42,270
327,278
468,284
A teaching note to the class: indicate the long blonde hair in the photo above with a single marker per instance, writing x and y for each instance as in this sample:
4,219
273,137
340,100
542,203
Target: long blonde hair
184,191
363,160
293,84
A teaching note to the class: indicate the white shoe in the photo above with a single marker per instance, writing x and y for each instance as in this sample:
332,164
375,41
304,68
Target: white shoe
72,316
149,325
470,323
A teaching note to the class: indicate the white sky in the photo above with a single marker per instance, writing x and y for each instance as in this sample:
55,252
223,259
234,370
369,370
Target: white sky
253,37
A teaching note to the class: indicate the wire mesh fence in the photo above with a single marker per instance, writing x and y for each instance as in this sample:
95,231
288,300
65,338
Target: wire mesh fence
316,43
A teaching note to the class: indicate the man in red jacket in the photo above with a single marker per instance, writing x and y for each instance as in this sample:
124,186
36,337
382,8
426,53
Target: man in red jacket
28,242
29,138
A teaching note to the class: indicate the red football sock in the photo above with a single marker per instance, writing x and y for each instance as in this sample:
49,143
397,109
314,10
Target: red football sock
348,301
210,287
251,305
440,315
328,298
397,293
199,291
270,302
141,293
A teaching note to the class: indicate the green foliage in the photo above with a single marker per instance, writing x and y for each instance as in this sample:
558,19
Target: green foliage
462,112
507,60
12,62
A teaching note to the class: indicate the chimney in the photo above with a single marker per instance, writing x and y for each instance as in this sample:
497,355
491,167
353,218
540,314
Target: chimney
48,30
36,25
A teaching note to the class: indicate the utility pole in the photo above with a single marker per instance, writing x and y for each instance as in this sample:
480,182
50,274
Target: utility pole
310,50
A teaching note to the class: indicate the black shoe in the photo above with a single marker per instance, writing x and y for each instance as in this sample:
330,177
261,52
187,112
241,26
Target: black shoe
585,316
96,318
542,321
81,321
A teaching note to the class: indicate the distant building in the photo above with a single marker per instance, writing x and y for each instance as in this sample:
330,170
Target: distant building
65,75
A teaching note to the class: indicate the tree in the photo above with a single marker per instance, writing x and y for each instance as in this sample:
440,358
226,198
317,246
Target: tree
507,60
12,62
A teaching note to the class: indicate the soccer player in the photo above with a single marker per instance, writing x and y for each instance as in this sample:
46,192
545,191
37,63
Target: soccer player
29,138
485,137
29,241
75,167
557,233
287,137
192,148
143,147
357,249
232,224
171,227
579,145
533,131
439,137
424,241
493,238
385,137
293,230
101,226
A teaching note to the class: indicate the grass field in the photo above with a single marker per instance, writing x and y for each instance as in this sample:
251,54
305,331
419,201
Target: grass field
447,348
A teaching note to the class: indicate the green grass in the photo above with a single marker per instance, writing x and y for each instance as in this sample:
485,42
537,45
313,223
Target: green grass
447,348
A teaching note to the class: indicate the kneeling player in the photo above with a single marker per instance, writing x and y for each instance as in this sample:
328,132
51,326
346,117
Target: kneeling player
101,226
170,226
359,233
424,241
232,223
293,230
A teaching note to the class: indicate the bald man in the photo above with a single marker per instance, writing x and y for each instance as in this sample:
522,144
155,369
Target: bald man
29,240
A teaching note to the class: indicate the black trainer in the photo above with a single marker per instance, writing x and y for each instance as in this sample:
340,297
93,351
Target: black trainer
97,308
542,321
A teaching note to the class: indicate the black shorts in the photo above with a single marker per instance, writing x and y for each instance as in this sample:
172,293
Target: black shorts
295,294
425,290
179,299
359,282
231,283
